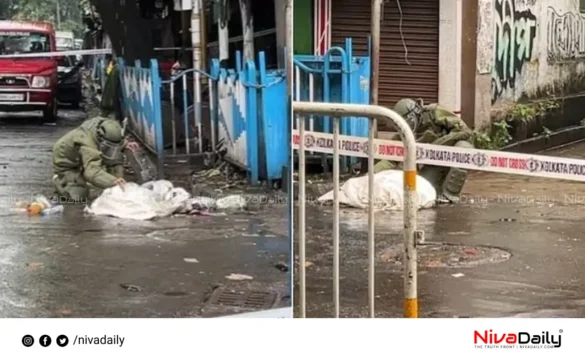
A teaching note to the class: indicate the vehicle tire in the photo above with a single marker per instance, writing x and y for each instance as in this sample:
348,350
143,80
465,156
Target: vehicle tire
50,112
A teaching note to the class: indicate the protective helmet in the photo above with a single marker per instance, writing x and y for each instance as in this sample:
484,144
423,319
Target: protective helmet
110,139
410,110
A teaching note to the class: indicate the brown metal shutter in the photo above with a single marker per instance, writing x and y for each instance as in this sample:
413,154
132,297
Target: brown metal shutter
420,27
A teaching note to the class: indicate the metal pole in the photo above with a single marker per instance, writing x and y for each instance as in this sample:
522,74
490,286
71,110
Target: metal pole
223,39
203,21
58,15
288,61
173,124
247,29
375,56
372,134
371,221
196,44
374,66
288,12
302,261
336,216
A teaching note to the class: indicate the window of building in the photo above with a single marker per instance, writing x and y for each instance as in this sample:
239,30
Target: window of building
582,6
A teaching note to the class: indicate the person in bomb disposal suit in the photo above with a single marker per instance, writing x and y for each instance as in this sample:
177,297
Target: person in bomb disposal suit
91,154
439,126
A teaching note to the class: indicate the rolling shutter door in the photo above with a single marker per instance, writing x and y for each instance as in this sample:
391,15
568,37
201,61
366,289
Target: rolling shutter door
420,28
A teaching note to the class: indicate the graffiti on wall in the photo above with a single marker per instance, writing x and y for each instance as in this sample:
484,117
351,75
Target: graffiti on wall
565,36
514,39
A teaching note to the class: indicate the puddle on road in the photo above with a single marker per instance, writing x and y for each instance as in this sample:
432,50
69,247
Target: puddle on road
251,234
193,234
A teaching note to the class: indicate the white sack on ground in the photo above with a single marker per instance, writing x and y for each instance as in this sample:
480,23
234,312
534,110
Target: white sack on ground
388,192
153,199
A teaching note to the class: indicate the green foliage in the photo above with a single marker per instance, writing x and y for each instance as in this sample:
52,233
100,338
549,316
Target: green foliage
494,138
498,135
528,113
65,14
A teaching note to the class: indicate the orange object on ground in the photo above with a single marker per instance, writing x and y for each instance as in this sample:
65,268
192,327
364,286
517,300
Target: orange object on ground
35,208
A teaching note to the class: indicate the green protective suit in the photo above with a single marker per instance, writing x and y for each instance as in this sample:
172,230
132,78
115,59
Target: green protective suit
78,163
439,126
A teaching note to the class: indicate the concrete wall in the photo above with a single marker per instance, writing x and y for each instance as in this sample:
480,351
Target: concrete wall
450,32
527,49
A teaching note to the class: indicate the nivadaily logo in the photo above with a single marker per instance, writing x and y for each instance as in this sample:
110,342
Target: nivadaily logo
491,339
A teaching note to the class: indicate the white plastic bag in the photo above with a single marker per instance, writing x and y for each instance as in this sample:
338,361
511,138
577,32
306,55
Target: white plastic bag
160,188
388,192
179,197
151,200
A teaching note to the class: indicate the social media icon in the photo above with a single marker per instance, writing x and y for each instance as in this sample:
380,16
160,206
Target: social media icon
28,340
45,340
62,340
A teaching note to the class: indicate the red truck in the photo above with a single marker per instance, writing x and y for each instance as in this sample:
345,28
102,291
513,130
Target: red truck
28,84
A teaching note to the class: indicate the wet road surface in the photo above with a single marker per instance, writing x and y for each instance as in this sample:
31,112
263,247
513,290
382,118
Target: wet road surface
514,247
73,265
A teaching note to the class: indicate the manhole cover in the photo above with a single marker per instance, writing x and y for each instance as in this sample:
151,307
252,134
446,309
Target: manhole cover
251,299
448,255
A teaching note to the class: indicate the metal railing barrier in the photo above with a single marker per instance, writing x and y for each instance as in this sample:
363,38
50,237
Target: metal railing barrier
411,235
195,109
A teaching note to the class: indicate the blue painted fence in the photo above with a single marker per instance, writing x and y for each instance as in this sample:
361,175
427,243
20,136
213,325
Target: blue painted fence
337,77
246,109
142,103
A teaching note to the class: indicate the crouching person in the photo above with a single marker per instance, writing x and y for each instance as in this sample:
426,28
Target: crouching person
90,155
435,125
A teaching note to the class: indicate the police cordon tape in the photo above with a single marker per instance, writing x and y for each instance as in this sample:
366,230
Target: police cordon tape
466,158
58,54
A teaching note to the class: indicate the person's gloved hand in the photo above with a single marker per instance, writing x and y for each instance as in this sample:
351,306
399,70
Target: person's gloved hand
120,182
132,146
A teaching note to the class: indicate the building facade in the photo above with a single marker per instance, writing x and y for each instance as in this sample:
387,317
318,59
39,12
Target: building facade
529,50
476,57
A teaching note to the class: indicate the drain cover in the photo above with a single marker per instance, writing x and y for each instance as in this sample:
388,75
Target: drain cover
250,299
442,255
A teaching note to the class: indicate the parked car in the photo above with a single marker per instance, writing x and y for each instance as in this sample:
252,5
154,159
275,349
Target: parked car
65,40
70,81
28,83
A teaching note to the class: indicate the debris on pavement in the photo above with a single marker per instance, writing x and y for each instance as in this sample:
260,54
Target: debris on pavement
281,266
238,277
35,208
388,193
190,260
131,287
458,275
202,203
34,266
40,205
233,202
206,213
53,210
155,199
